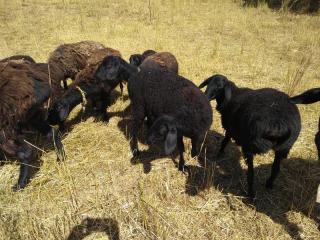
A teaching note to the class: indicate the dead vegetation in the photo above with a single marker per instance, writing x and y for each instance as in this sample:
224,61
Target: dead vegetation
98,192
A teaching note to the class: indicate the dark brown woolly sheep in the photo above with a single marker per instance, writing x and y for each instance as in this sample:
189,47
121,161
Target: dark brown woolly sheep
68,59
19,59
88,84
24,88
151,59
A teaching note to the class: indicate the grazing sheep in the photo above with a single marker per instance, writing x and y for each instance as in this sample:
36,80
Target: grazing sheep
308,97
151,59
19,59
86,86
68,59
163,95
258,120
24,88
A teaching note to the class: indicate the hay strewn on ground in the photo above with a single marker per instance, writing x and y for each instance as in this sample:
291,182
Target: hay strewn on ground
98,190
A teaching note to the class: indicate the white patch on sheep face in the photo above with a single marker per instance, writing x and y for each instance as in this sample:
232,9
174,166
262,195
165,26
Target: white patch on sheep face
318,195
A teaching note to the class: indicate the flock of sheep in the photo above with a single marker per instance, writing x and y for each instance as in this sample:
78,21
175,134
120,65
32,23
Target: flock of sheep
174,107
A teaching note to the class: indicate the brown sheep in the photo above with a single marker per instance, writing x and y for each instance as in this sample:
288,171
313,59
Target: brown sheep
19,59
149,58
24,88
88,84
68,59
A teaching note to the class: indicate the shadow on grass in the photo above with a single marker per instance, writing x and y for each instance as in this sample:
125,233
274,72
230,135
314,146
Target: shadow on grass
295,6
295,188
88,226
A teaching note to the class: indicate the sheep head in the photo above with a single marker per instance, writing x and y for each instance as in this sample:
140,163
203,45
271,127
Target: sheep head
219,88
164,129
58,112
136,59
114,68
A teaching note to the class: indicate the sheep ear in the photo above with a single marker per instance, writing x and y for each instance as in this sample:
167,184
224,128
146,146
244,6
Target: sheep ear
171,141
227,92
205,83
109,69
63,113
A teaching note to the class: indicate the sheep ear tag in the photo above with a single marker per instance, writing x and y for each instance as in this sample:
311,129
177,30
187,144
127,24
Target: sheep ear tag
171,141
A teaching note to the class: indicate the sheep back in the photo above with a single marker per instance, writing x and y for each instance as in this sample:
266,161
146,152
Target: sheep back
161,92
262,119
93,62
163,59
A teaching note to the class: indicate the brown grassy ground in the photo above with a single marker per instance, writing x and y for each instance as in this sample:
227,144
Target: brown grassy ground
98,189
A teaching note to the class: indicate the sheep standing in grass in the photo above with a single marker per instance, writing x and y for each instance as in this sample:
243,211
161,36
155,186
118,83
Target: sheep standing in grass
308,97
24,88
87,86
151,59
68,59
167,99
258,120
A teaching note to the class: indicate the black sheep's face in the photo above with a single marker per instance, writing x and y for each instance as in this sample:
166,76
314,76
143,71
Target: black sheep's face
215,86
136,59
163,131
58,113
109,69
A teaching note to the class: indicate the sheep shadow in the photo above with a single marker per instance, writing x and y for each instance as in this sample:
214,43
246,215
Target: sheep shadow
293,6
88,226
295,188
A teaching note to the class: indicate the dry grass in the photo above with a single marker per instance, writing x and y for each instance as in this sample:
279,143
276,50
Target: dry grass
98,189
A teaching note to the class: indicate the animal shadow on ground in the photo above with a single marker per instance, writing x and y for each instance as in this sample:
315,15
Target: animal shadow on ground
295,188
88,226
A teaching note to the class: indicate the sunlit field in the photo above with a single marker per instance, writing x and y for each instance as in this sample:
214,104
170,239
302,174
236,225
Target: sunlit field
99,192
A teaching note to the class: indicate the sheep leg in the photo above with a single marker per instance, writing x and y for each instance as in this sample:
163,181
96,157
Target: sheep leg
65,84
181,149
250,174
224,143
137,123
317,141
24,155
279,155
195,146
105,102
121,88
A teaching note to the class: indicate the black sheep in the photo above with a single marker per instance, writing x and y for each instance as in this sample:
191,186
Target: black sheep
161,95
24,88
258,120
308,97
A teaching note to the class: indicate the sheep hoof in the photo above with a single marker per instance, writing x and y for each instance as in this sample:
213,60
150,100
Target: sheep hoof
17,187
